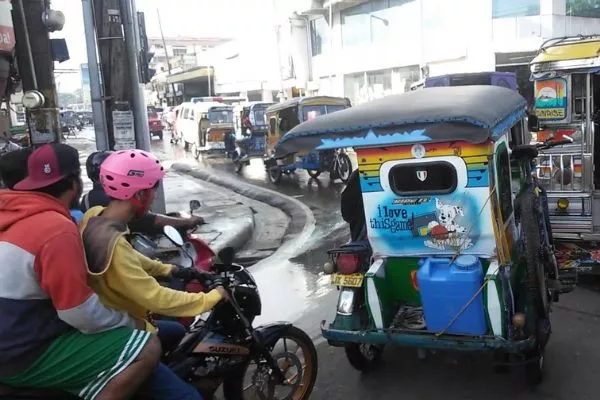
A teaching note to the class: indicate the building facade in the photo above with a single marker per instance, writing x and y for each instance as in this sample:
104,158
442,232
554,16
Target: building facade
181,54
375,48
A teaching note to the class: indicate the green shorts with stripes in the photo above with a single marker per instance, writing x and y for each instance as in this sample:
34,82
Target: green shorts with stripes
83,364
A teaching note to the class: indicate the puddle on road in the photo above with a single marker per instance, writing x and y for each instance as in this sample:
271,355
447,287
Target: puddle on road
291,282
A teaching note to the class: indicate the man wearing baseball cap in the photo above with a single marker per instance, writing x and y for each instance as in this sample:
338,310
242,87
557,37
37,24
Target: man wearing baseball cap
54,332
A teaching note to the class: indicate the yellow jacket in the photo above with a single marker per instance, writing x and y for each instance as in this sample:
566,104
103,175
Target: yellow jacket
124,278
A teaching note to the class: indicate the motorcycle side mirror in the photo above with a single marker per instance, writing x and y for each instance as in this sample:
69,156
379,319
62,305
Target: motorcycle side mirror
227,255
173,235
194,205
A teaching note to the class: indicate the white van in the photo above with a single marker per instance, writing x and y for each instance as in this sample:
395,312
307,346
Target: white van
204,125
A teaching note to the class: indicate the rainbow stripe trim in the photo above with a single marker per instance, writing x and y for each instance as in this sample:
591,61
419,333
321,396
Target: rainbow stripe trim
476,157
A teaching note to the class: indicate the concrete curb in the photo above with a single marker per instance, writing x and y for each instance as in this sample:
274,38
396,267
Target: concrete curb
231,224
236,239
302,221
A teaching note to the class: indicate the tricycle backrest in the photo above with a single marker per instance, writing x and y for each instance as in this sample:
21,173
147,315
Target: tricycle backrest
428,199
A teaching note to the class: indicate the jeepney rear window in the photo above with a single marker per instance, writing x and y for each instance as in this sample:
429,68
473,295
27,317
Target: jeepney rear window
423,178
311,112
220,115
259,116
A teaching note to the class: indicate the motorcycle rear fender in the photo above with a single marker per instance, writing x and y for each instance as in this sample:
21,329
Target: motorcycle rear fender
271,333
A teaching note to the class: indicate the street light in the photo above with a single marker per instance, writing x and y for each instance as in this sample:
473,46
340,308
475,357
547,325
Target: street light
386,22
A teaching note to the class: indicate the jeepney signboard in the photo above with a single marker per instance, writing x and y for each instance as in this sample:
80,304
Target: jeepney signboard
552,99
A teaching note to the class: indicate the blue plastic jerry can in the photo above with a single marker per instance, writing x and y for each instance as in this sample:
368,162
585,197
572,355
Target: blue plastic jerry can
446,288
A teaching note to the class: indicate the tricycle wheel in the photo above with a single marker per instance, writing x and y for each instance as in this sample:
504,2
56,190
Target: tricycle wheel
344,167
239,165
532,247
196,151
364,357
274,174
314,173
501,360
534,369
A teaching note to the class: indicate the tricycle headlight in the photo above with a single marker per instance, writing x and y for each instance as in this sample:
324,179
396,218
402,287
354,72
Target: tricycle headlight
346,302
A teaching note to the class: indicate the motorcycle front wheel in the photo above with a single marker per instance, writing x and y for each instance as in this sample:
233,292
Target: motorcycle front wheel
295,354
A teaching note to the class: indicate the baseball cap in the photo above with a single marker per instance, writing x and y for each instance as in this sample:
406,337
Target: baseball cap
48,165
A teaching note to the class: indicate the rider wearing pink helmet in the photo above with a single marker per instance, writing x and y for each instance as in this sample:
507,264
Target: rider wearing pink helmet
123,278
132,175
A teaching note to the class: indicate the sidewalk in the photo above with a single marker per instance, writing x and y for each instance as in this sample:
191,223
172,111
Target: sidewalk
230,222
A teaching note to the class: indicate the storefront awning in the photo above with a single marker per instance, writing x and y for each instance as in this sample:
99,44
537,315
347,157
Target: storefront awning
198,73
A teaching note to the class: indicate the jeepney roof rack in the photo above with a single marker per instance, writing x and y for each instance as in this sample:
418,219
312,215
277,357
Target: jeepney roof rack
564,40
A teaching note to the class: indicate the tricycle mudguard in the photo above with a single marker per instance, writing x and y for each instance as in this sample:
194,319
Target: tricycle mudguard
271,333
428,340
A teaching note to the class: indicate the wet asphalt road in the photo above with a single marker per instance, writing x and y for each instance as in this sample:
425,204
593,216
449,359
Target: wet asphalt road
572,356
307,297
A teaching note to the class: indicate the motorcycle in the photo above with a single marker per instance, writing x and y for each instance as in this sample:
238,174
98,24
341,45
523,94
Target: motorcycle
195,253
224,348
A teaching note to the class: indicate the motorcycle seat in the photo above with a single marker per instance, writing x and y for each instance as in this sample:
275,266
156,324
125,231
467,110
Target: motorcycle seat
8,392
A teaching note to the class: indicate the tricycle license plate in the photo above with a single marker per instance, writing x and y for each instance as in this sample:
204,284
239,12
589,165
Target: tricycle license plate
354,280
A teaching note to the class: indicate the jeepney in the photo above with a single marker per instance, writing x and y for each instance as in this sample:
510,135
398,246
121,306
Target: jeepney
567,87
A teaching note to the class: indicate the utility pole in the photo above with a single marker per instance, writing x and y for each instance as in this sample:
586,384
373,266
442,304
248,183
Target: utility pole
33,44
142,134
162,36
113,64
97,94
126,114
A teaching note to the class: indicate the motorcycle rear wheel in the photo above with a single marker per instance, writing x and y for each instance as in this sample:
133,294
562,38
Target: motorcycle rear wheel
237,386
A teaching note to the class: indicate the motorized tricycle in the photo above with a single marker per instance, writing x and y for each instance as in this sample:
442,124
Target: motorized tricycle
254,129
205,126
284,116
567,94
460,250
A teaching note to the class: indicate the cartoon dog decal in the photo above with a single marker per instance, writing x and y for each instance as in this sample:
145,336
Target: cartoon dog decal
446,232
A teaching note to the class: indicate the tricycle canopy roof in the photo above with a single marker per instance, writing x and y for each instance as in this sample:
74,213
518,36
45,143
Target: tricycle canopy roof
311,100
440,114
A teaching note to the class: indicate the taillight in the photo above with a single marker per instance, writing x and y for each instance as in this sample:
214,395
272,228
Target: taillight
348,263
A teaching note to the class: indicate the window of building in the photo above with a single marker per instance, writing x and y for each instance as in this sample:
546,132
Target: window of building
515,8
179,51
424,178
319,30
366,86
365,23
583,8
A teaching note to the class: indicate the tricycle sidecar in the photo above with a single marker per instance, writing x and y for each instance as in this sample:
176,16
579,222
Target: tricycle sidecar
284,116
254,132
462,254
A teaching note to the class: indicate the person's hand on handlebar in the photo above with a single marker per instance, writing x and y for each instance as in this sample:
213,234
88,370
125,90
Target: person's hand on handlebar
196,220
223,292
186,274
214,282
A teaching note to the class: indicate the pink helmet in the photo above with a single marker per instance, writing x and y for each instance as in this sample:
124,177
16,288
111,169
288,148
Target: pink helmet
126,172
